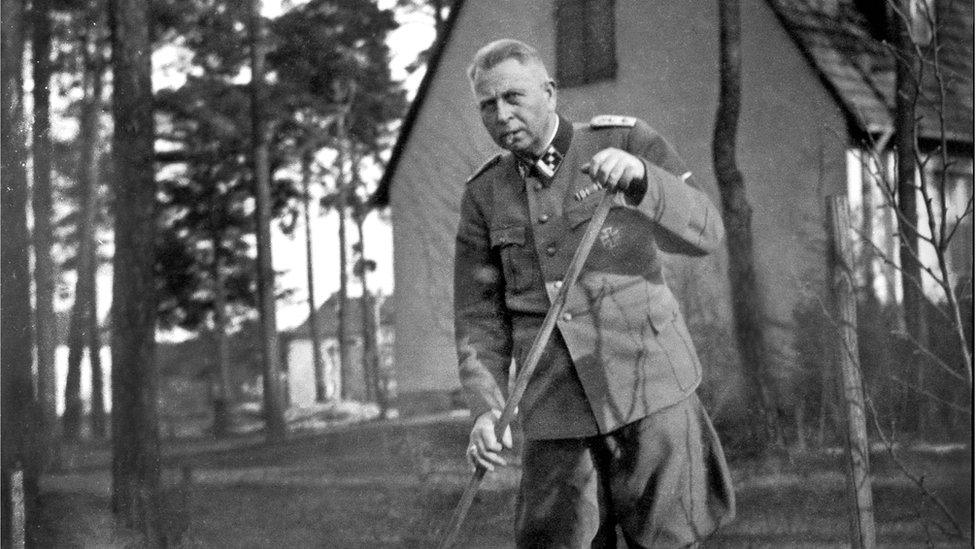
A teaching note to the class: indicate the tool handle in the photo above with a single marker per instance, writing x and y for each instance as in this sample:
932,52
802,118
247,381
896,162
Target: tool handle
532,359
555,309
457,518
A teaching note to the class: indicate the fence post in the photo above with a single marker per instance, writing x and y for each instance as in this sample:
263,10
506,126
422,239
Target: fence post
18,517
844,309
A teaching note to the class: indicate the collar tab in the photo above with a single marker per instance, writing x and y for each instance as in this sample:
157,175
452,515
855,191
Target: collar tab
547,164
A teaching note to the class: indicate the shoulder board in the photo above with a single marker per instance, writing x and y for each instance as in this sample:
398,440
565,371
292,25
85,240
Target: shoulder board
485,167
612,121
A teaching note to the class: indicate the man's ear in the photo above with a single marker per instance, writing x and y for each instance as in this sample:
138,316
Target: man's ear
550,88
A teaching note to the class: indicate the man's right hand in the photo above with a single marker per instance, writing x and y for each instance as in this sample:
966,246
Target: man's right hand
484,449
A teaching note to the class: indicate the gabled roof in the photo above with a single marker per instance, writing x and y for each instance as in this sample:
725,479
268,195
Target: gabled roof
859,70
381,197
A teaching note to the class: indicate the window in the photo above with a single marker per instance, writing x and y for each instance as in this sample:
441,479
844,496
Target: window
585,42
923,21
882,19
956,201
873,214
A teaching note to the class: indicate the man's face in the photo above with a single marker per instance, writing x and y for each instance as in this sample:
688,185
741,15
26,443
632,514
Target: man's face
517,104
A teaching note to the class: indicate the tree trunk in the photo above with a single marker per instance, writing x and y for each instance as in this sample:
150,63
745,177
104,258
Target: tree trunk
318,362
365,305
371,365
438,16
135,421
221,381
273,412
891,273
747,309
99,425
72,418
92,207
906,95
224,391
868,182
44,271
16,391
877,351
345,365
85,257
342,328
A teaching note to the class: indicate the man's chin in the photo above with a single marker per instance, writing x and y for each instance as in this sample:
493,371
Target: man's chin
519,146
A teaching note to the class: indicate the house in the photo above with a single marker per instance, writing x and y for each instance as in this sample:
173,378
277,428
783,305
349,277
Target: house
813,95
297,344
838,41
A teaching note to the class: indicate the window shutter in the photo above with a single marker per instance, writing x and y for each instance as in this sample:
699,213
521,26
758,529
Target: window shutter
585,42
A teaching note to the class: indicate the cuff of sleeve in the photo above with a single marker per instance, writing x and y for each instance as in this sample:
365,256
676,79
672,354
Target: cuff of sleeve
479,404
649,189
477,410
636,191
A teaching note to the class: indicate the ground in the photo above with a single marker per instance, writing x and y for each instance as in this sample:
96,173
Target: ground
394,483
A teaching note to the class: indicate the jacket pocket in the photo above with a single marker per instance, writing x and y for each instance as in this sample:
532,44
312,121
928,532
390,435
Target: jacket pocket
511,246
582,212
674,340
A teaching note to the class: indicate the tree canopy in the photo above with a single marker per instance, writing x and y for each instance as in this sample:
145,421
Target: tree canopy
325,59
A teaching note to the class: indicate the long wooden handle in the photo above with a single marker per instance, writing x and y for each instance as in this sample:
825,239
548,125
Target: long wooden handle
532,360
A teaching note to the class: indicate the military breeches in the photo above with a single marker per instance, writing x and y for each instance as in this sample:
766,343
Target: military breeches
662,479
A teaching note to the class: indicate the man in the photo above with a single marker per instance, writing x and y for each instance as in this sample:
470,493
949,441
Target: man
615,435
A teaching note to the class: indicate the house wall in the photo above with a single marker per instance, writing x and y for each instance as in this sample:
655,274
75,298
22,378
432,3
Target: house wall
447,145
792,139
301,367
301,373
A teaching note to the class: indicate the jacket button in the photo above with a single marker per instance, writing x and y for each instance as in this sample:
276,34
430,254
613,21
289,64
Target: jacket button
537,186
551,250
543,218
567,316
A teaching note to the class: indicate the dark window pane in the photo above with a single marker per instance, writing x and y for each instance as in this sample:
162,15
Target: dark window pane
585,41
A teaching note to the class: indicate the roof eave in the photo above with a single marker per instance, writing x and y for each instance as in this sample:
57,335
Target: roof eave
381,196
854,122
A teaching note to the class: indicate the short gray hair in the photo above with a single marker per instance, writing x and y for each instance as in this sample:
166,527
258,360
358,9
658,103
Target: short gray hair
500,50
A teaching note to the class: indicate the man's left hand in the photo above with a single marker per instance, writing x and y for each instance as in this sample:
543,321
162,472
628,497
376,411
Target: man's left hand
614,169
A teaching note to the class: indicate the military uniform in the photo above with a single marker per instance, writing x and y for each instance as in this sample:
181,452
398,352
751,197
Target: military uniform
621,354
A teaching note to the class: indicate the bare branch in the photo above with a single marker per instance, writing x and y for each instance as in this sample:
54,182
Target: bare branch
924,350
931,395
943,265
881,254
900,234
935,237
889,194
958,221
918,481
917,345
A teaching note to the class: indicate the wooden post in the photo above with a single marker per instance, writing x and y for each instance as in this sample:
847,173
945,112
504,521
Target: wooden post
18,505
844,304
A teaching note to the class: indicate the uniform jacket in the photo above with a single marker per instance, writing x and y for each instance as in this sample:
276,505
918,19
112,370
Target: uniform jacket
621,350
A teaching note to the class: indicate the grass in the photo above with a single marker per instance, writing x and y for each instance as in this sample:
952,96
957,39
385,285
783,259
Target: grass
394,484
